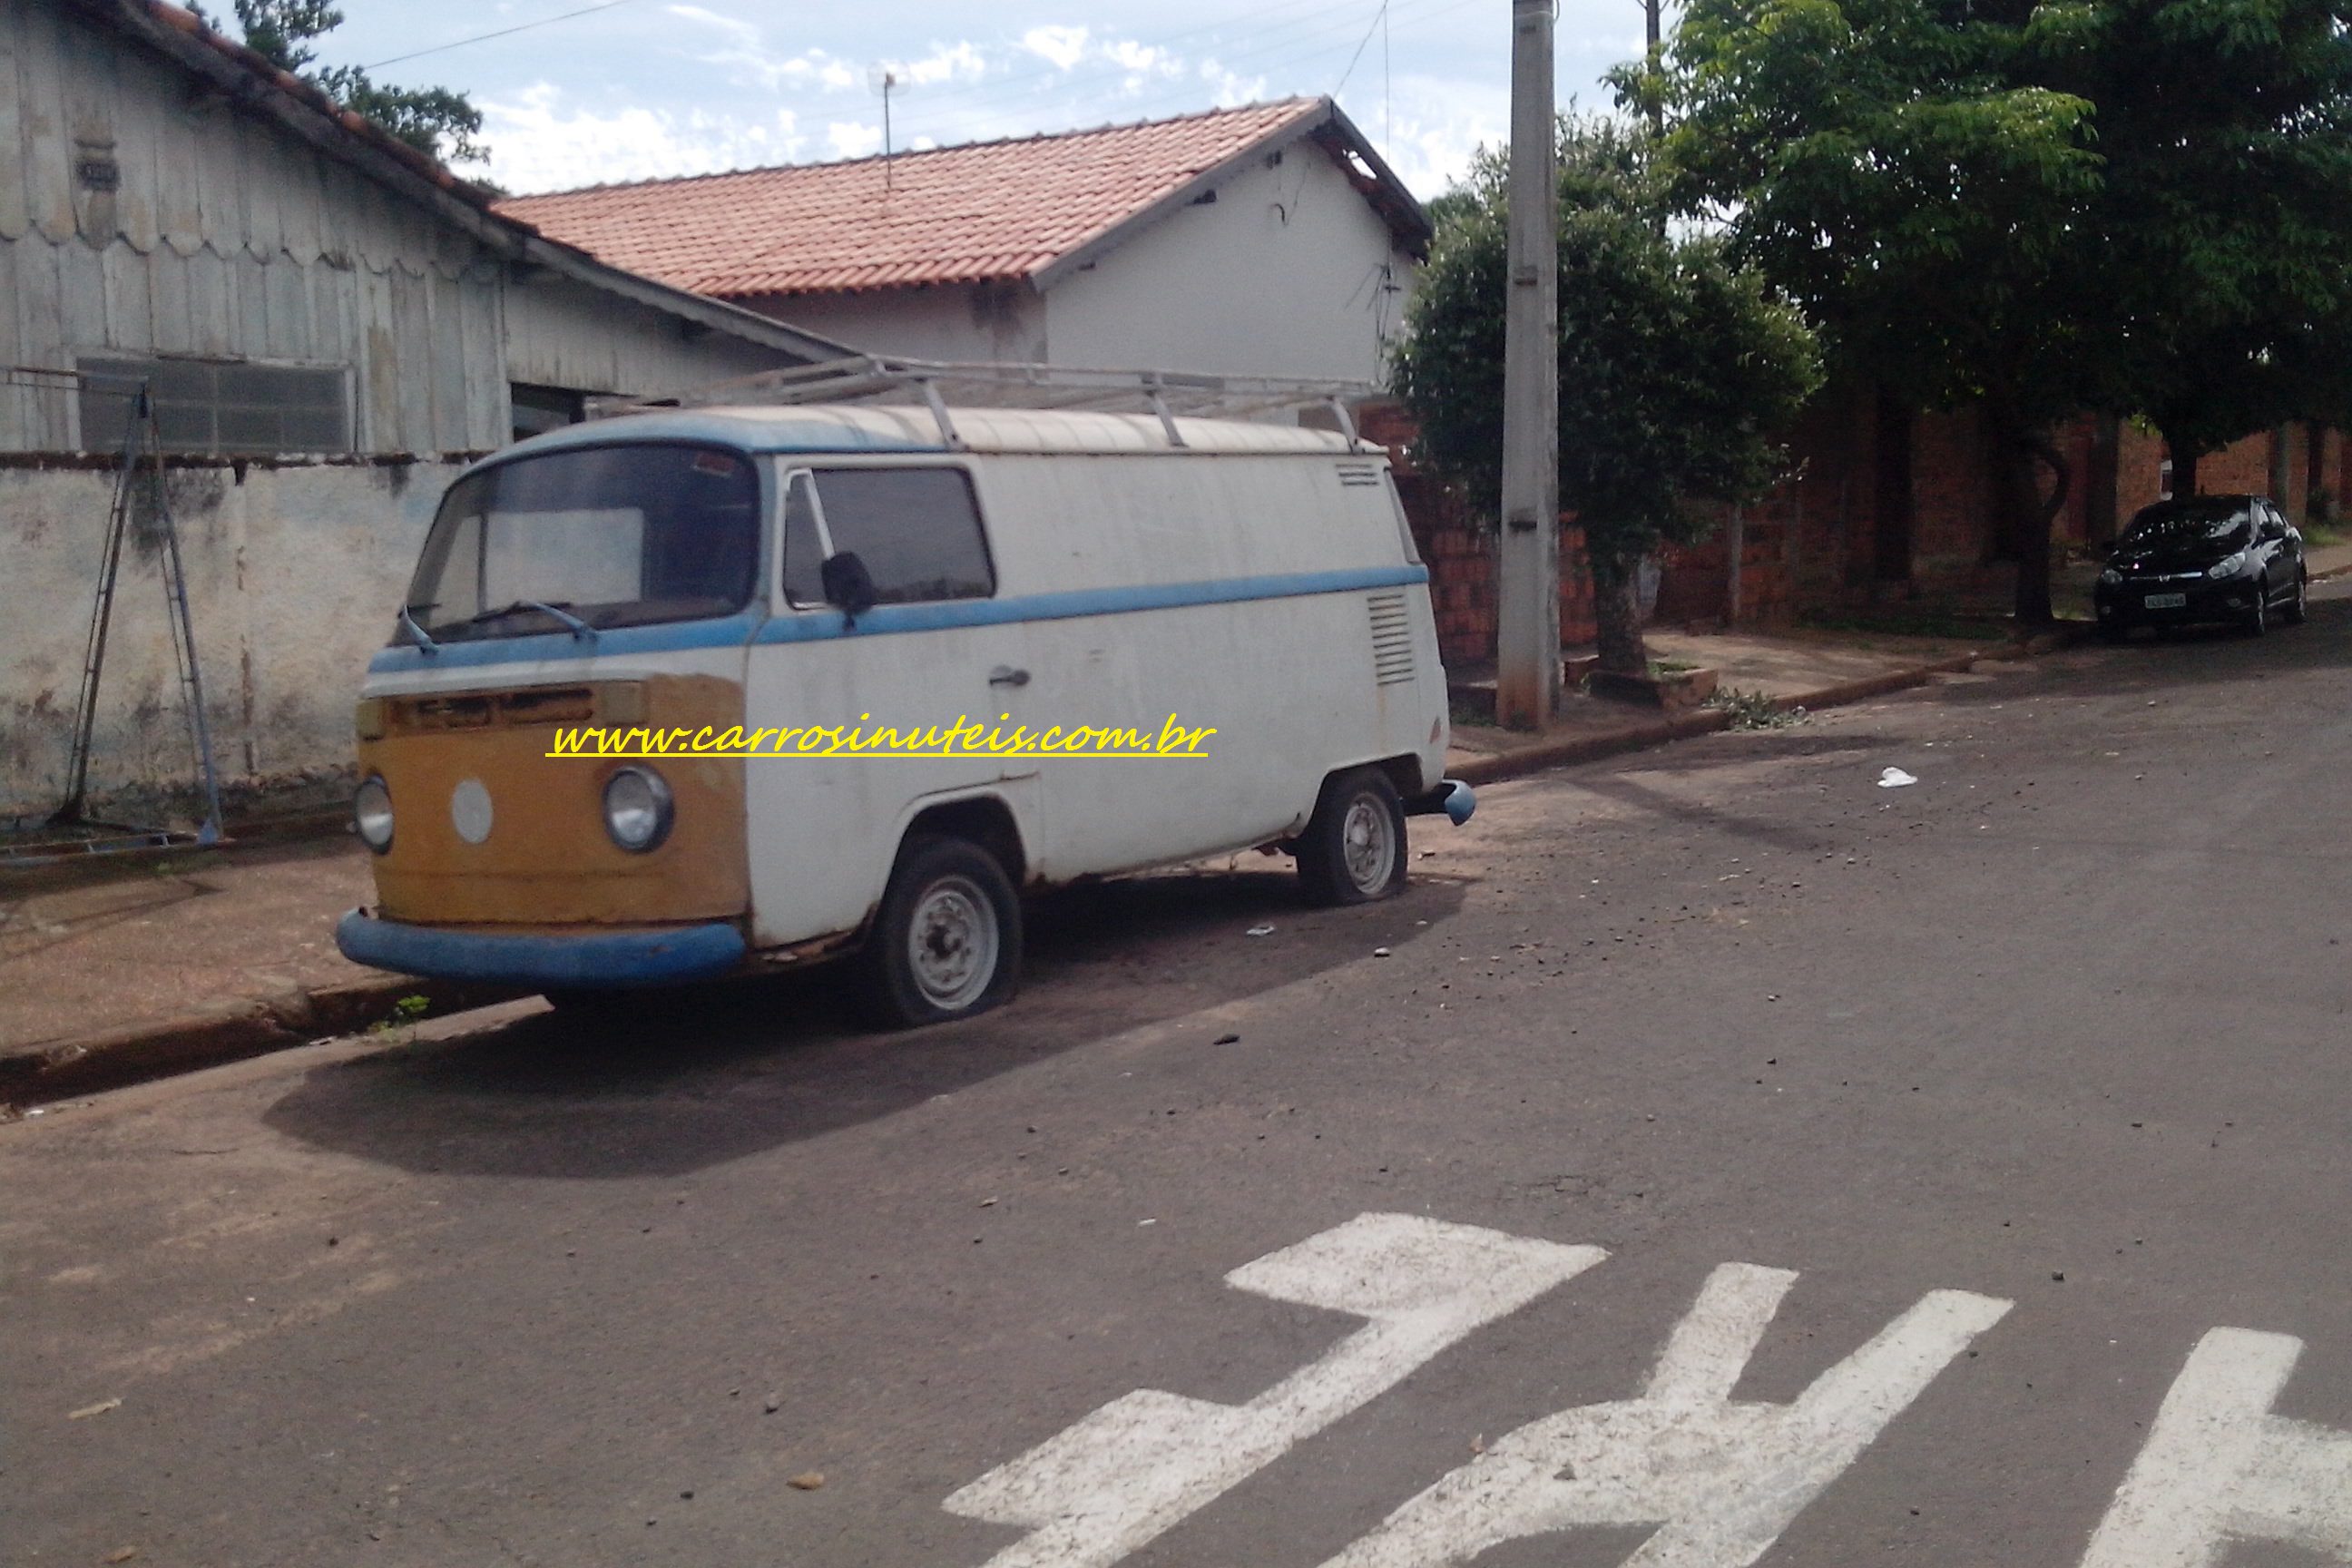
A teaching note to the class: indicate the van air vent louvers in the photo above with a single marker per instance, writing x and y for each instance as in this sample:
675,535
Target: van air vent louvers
1359,473
1391,639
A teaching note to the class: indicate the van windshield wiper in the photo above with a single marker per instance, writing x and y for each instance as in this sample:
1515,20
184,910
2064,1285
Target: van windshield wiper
560,609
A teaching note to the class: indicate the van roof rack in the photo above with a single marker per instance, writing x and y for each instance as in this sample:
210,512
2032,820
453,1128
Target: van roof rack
937,384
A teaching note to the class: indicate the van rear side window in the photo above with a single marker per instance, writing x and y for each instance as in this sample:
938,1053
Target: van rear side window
917,531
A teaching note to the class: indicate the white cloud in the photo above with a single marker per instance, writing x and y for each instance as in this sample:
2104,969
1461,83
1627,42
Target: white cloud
848,139
539,144
1063,47
1433,125
748,55
1228,88
946,62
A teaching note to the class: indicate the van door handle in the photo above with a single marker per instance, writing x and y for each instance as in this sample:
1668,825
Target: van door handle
1005,675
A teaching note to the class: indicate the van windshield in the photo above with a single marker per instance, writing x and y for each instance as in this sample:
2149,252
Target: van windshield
614,536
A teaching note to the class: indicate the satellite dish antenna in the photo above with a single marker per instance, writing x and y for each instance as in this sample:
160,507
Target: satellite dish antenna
886,79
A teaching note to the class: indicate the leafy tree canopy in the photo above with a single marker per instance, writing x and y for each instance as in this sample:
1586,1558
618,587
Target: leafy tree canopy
434,121
1677,368
2139,205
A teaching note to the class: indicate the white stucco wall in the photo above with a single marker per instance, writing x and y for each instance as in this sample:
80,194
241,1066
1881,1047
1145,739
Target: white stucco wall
992,323
1281,275
293,576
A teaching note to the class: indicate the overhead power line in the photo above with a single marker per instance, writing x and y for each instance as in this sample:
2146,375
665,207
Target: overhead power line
500,33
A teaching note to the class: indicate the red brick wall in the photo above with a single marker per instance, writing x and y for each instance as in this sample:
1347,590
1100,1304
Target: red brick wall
2244,466
1459,551
1812,542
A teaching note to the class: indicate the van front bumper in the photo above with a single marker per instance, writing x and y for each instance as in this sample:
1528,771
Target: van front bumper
664,955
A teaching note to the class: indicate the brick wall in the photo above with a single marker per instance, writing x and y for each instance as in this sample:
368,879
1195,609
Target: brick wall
1460,551
1813,543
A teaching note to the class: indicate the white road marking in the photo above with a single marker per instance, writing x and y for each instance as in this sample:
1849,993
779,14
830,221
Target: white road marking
1720,1480
1101,1489
2219,1467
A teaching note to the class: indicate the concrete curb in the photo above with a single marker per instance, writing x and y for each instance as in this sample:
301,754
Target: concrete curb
113,1058
118,1057
1542,755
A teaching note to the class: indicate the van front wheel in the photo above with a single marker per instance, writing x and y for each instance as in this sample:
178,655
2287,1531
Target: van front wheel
1353,850
947,941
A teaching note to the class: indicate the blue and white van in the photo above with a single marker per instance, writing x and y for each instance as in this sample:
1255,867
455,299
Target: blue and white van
688,574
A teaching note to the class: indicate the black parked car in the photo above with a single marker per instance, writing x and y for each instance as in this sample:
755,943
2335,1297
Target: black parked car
2234,558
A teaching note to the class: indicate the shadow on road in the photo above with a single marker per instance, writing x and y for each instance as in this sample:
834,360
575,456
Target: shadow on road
732,1070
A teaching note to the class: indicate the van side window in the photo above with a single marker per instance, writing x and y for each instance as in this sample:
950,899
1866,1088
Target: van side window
917,531
804,550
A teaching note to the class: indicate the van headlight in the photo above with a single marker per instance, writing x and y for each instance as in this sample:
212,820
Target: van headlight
371,813
638,809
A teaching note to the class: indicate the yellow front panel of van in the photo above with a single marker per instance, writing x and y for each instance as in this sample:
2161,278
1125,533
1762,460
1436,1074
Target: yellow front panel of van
547,860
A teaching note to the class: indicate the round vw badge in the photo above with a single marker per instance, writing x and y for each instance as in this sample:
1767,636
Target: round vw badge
470,811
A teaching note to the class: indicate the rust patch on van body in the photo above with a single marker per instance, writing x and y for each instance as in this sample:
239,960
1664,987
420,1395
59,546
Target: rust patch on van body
547,862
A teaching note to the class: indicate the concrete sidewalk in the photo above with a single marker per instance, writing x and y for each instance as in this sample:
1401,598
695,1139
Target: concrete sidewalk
116,973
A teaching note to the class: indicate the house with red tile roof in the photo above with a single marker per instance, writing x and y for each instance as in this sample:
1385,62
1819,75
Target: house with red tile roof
1269,239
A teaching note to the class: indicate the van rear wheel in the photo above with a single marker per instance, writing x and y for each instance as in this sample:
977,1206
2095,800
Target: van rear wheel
947,941
1353,850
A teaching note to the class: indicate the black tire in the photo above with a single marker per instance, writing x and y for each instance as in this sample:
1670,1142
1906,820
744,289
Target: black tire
2298,609
2258,619
1353,850
953,897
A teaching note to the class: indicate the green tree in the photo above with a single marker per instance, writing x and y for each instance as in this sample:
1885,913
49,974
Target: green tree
2223,220
434,121
2032,210
1677,368
1885,163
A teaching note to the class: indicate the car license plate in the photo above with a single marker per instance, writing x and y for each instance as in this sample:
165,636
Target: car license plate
2167,601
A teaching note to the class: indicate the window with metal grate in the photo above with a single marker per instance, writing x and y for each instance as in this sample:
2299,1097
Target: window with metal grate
223,406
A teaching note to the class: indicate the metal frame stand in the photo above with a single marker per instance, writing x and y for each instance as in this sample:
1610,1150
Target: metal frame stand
141,441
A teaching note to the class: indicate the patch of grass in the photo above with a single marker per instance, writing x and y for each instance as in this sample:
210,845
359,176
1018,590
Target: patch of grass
1460,711
1659,666
405,1011
1754,709
2321,535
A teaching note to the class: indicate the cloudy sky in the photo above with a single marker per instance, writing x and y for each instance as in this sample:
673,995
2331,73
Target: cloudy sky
637,89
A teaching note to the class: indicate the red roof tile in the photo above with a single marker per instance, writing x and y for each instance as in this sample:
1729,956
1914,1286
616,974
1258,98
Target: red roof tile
952,215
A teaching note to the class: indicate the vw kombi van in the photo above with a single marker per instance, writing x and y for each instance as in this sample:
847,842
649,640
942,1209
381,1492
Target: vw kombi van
683,694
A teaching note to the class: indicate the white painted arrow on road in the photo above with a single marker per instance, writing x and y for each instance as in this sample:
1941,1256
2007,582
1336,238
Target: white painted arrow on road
1098,1490
1720,1480
2219,1467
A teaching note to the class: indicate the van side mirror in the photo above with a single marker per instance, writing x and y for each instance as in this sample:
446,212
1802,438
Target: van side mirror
847,584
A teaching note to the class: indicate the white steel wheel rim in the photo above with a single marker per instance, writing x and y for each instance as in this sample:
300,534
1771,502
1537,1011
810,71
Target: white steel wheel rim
1368,844
952,943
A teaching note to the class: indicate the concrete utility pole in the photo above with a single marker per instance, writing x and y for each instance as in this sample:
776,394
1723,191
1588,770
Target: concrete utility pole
1527,679
1650,55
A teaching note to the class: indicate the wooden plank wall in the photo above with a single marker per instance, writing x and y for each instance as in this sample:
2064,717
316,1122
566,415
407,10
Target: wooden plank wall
229,237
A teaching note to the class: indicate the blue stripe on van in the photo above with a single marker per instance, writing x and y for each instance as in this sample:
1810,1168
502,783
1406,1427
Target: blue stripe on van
884,620
812,625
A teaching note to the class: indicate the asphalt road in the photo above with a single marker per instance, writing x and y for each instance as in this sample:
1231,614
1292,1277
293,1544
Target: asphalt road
1728,1154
